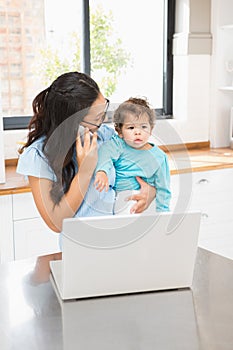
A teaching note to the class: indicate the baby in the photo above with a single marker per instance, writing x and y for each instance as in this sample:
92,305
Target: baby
132,155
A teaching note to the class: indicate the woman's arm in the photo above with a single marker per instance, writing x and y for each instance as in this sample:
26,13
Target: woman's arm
52,214
144,198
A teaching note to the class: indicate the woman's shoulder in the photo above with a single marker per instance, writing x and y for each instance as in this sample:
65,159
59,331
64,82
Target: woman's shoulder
35,149
35,145
33,162
105,132
115,141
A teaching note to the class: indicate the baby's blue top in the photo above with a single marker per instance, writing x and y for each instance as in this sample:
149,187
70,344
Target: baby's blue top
33,162
151,165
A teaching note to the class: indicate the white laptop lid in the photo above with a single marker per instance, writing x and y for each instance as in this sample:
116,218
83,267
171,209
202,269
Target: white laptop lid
126,254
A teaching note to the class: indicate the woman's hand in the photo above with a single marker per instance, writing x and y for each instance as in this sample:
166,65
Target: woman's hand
53,215
144,197
87,155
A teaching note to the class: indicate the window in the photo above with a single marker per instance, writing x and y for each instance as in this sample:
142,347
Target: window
132,40
125,46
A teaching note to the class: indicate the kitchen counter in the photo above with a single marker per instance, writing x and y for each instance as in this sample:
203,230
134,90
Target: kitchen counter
33,317
180,161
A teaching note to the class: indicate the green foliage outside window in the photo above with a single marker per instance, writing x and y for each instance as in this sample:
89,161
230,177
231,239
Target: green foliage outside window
108,57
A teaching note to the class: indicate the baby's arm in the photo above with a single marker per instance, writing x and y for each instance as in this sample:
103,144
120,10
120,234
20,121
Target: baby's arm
108,153
101,181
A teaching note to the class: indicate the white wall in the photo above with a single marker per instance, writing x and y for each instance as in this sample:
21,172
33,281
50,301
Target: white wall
221,101
192,61
12,141
191,101
201,47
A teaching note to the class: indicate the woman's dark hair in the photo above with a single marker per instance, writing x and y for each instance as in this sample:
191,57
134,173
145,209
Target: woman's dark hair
57,114
135,106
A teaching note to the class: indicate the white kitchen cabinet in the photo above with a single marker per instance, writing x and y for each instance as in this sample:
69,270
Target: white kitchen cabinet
23,233
212,194
31,235
182,192
32,238
6,229
24,206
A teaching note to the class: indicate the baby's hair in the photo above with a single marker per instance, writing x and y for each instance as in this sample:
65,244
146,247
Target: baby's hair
137,107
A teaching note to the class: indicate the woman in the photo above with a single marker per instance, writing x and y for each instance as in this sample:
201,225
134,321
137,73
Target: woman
59,161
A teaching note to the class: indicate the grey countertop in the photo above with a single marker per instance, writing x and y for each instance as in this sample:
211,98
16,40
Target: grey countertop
32,317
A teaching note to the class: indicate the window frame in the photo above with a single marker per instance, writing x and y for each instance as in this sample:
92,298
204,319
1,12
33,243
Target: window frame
21,122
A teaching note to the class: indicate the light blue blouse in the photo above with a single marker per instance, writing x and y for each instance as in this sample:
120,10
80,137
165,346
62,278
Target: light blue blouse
33,162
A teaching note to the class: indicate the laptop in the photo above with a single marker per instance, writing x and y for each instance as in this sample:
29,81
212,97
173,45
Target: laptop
121,254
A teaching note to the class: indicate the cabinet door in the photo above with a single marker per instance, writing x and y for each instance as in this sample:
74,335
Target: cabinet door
214,181
211,193
24,206
182,191
33,238
6,229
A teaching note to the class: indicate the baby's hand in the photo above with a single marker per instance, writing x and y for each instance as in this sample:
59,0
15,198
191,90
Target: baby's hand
101,181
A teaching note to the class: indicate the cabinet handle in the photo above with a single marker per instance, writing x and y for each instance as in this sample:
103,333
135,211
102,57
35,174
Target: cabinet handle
203,181
204,215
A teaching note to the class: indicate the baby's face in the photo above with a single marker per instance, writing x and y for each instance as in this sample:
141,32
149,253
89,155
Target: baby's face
136,131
